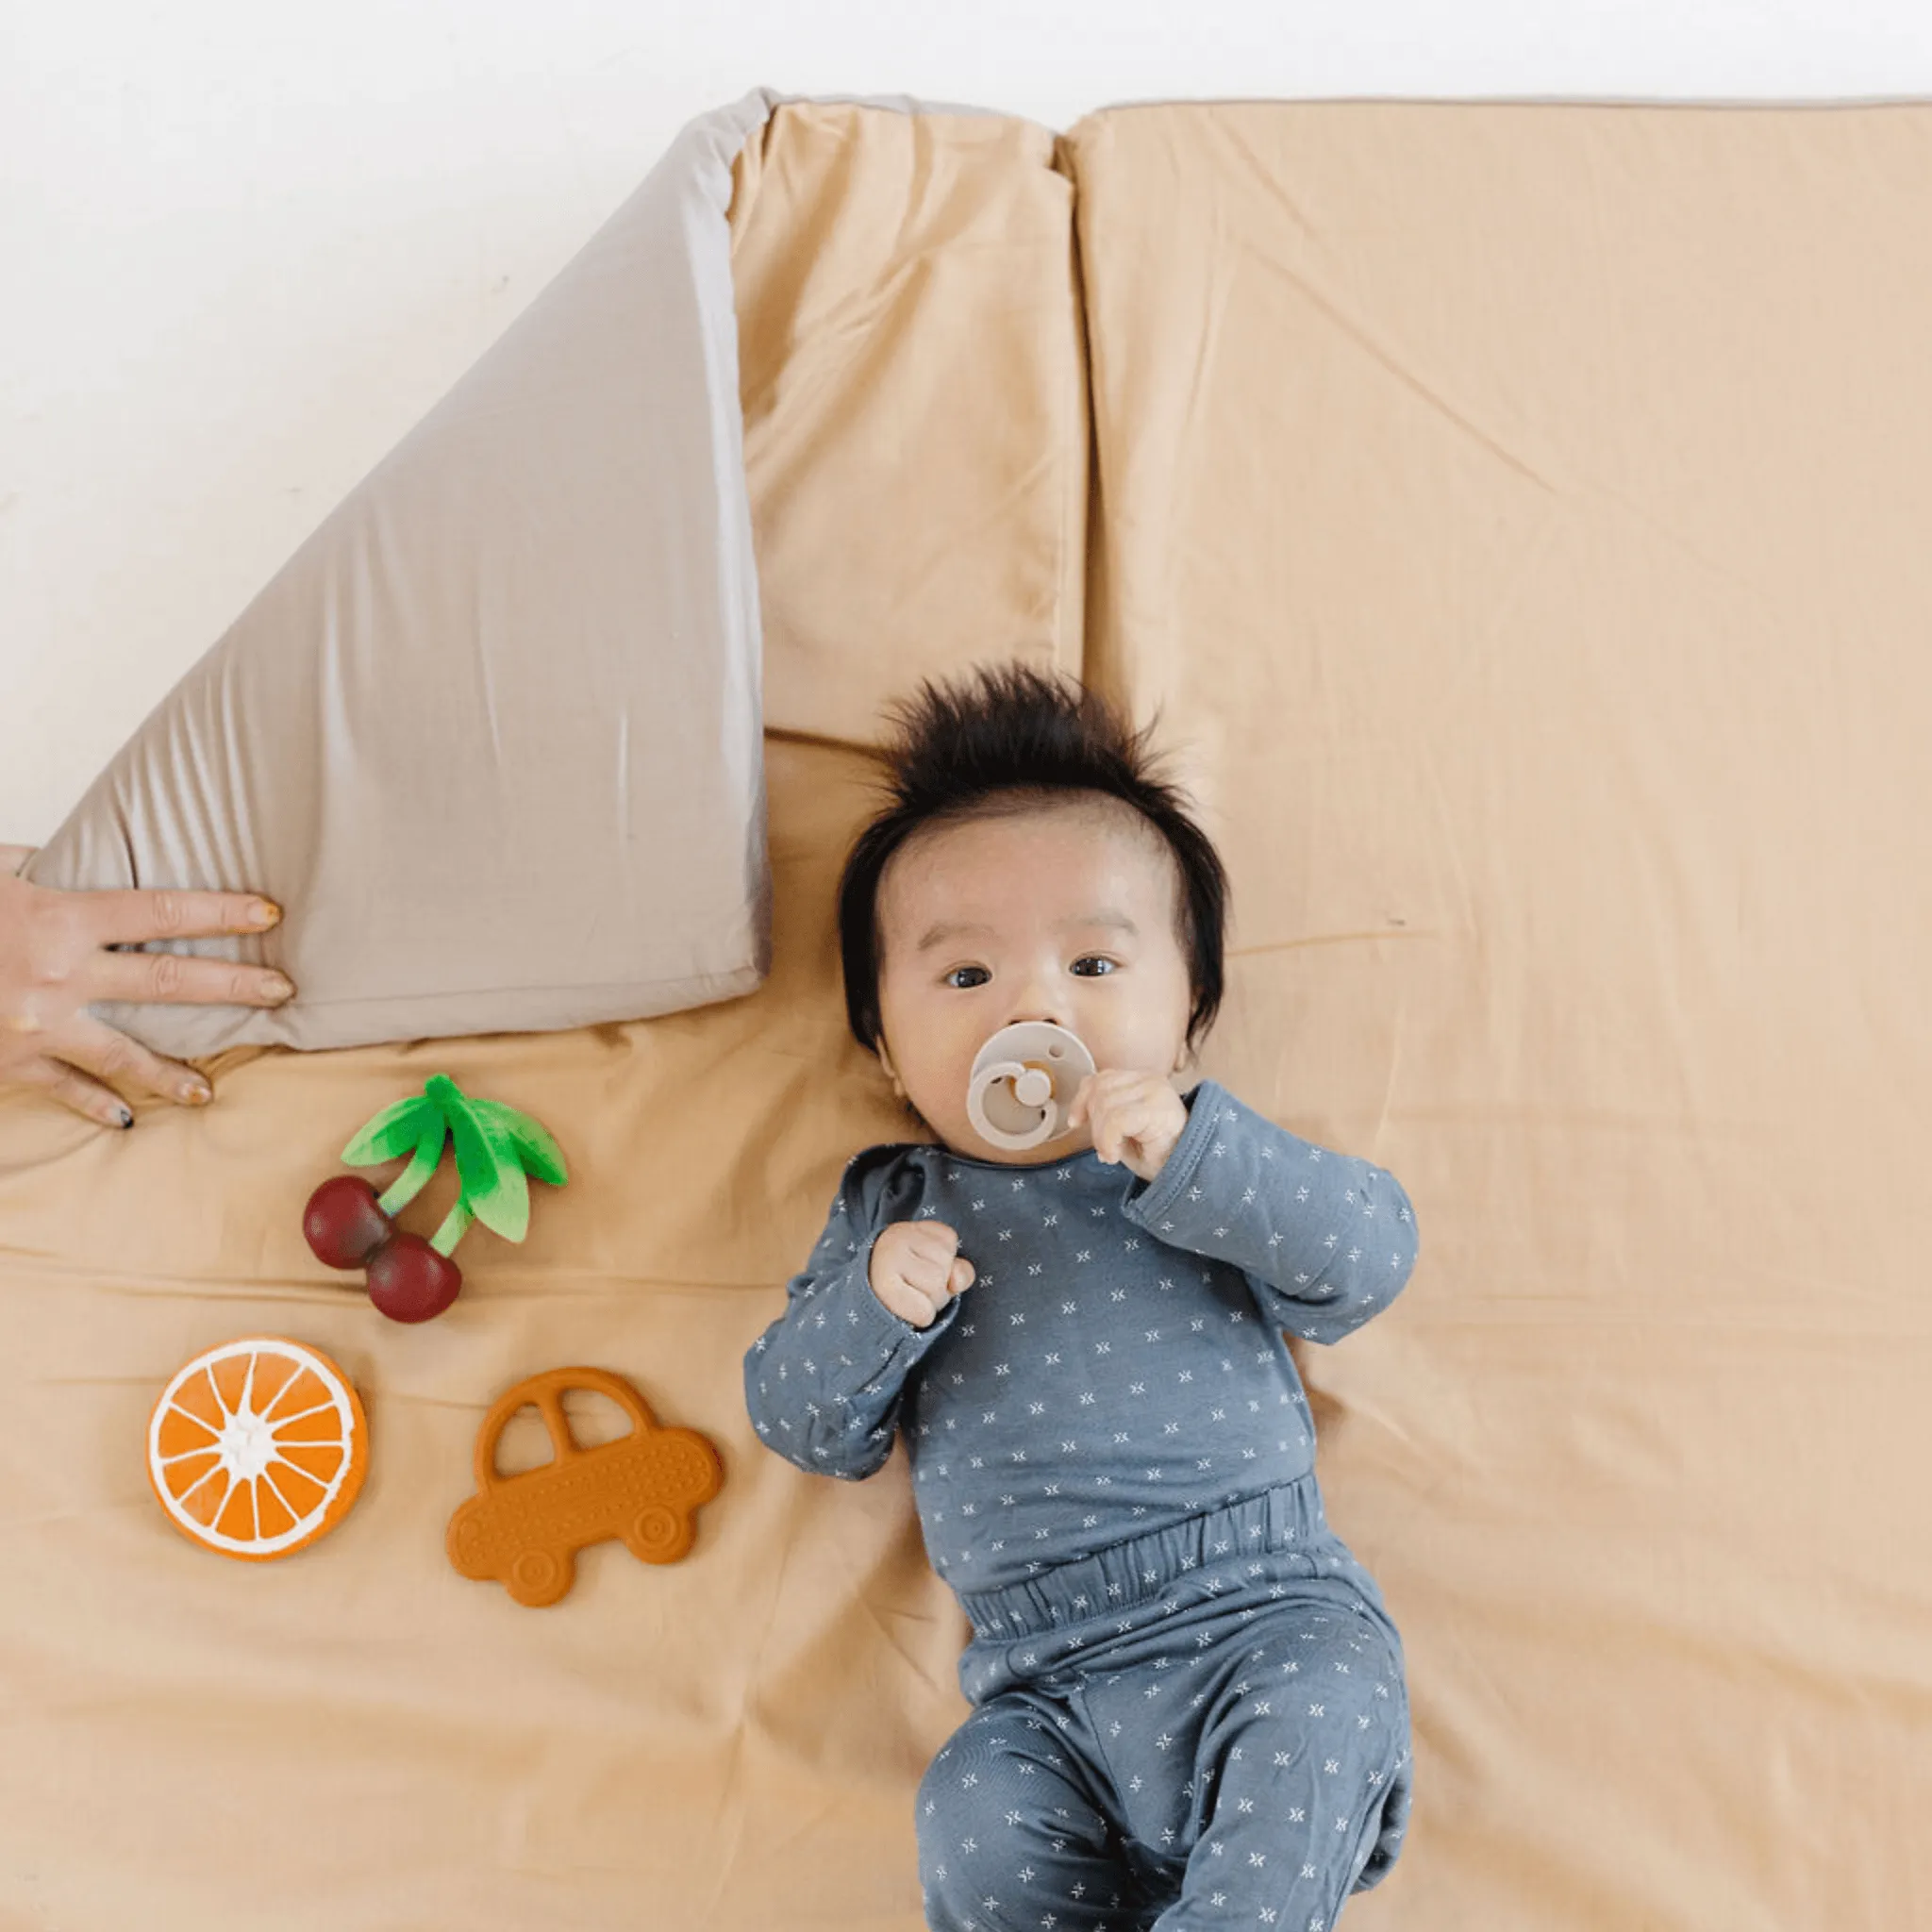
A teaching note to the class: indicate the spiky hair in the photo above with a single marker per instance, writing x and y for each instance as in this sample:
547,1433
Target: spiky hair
1003,738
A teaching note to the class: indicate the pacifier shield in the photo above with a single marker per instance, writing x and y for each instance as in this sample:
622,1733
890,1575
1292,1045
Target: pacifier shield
1022,1084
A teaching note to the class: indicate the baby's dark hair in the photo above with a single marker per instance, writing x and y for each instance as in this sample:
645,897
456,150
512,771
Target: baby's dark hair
1006,739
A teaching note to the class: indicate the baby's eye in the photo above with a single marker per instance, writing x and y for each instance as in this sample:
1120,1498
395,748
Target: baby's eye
1099,959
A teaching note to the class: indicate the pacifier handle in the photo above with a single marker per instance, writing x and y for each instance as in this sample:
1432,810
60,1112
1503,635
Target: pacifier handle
1036,1065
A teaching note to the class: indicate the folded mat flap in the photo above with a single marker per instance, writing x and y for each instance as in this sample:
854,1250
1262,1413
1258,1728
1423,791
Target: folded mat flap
912,369
492,736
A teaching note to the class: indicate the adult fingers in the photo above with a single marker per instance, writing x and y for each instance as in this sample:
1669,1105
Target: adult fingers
179,976
130,915
86,1097
90,1046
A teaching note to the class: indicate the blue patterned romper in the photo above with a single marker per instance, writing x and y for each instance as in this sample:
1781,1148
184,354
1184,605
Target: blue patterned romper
1189,1707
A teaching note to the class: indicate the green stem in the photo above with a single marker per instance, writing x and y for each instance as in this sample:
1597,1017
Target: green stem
414,1177
455,1226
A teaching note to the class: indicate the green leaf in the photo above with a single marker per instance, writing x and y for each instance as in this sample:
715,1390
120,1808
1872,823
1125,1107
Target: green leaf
393,1131
493,1176
541,1155
415,1177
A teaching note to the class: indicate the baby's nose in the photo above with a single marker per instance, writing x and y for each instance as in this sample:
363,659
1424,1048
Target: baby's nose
1051,1014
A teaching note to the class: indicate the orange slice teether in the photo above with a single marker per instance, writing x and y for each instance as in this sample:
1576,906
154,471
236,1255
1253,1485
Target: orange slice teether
258,1447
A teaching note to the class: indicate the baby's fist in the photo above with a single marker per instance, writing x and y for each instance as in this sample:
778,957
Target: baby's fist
916,1269
1136,1118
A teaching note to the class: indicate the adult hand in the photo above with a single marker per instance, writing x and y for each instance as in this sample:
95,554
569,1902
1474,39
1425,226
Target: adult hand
54,964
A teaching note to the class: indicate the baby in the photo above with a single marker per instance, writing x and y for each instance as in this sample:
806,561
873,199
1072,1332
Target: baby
1189,1702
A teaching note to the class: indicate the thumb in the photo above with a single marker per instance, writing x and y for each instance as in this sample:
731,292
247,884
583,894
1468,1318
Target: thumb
961,1279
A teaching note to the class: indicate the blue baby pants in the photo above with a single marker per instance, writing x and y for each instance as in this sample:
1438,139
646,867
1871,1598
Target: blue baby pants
1203,1728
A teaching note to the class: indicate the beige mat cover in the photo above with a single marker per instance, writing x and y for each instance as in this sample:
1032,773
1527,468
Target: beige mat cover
1521,509
1515,511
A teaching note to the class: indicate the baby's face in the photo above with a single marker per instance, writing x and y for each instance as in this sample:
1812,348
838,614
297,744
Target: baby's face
1064,912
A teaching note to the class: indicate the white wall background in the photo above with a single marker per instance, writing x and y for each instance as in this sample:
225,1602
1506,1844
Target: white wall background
244,244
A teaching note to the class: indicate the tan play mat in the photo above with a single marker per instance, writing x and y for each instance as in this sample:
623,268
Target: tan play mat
1516,514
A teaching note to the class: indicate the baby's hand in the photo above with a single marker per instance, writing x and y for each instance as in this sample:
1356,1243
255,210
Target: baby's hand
1137,1118
916,1269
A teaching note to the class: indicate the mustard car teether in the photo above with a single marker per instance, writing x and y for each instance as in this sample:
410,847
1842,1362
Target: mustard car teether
1022,1084
524,1531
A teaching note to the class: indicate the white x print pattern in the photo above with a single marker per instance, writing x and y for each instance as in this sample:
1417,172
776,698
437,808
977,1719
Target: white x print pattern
1118,1364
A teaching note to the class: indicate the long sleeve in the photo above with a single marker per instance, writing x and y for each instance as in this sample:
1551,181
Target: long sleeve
824,1382
1325,1239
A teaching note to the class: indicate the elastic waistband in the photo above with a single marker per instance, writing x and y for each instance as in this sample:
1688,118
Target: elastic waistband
1289,1518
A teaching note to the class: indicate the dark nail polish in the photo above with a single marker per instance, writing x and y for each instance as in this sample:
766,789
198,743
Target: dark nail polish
126,1118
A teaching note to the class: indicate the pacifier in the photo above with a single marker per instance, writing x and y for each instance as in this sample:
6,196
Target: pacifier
1022,1084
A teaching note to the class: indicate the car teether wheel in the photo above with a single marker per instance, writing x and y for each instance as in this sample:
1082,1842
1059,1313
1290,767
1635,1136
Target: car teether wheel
538,1577
658,1535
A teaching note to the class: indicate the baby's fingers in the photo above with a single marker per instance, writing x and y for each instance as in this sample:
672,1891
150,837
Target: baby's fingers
1123,1124
922,1296
909,1302
938,1279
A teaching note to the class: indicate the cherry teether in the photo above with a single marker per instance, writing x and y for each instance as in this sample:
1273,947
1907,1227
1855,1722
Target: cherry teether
349,1226
1022,1084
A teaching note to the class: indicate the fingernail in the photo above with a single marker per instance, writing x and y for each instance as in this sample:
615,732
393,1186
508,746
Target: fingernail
126,1118
195,1092
279,988
264,913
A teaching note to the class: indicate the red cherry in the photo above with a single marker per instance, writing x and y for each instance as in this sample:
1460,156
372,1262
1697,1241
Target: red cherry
344,1224
410,1281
